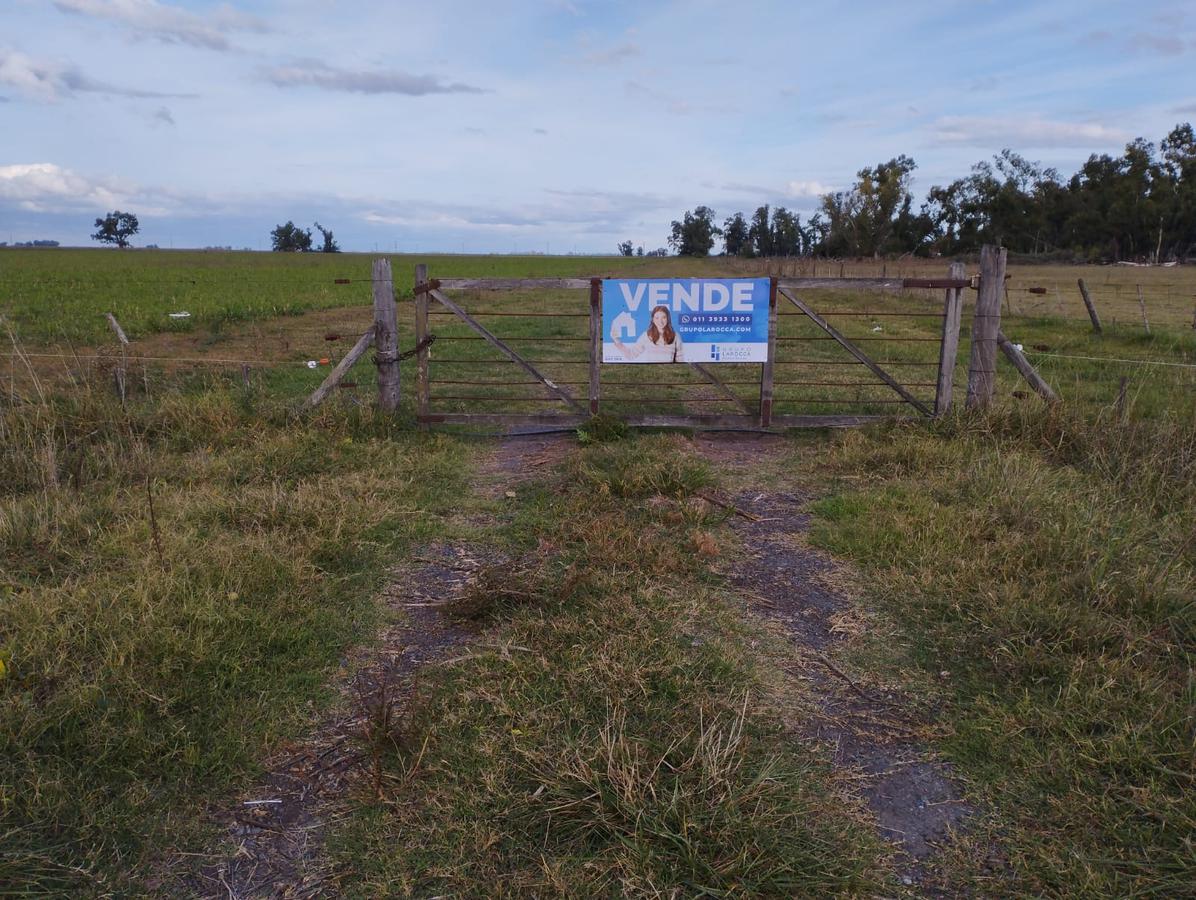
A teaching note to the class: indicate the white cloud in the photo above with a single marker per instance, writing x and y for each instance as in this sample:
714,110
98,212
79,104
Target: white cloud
31,78
807,189
1029,132
742,188
313,73
169,24
573,212
49,81
45,187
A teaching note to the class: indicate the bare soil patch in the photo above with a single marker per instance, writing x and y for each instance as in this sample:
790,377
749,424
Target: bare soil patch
872,736
516,461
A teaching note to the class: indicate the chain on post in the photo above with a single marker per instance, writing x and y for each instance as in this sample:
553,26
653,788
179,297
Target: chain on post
424,344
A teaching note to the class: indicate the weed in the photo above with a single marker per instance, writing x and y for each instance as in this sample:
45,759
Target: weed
601,429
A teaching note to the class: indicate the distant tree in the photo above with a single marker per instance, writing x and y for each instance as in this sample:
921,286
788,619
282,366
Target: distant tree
694,234
862,220
760,232
116,228
625,248
330,246
816,231
788,238
659,251
1179,164
290,238
639,251
735,236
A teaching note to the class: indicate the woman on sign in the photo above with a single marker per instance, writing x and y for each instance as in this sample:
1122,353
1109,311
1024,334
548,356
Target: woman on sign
660,343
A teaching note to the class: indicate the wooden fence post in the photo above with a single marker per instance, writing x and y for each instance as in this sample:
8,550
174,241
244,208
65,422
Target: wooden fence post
334,377
1028,372
766,369
949,349
1142,304
595,343
122,369
1091,306
986,322
386,337
422,388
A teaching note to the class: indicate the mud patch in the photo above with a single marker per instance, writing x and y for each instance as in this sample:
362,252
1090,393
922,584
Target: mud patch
520,460
871,736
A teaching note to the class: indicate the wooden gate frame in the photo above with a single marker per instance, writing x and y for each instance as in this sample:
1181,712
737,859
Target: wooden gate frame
434,289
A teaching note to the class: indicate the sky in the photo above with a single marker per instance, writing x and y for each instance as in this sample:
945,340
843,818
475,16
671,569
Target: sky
549,126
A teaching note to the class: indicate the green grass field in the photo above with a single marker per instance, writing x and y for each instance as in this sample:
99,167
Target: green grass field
57,295
1043,558
273,311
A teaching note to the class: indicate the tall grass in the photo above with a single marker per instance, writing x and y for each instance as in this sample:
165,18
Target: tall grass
153,653
1047,563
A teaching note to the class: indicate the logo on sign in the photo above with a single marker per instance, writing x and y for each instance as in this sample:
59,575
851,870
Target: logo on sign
714,352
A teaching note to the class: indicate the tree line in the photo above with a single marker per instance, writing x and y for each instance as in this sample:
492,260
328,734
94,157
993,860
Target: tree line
1140,205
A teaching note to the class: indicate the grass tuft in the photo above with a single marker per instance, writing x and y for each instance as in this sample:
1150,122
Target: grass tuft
603,428
598,746
152,656
1048,565
643,468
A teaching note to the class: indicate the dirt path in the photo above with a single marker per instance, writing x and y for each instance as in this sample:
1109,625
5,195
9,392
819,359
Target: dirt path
275,832
913,797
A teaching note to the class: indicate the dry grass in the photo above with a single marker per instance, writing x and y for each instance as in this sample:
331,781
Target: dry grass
152,656
620,745
1035,289
1042,569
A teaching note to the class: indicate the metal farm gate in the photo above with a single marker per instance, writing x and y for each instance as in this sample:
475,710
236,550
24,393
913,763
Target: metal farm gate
527,352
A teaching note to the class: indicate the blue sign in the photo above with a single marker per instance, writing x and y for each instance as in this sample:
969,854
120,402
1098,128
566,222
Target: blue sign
702,320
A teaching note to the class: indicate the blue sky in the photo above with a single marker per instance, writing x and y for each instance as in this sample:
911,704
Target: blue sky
557,125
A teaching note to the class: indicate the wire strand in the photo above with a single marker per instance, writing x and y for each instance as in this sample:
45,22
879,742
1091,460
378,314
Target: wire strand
1139,362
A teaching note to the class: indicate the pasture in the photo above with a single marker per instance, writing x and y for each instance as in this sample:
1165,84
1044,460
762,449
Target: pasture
274,312
189,581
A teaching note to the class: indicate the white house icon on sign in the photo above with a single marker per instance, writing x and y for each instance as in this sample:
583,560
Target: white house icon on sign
623,325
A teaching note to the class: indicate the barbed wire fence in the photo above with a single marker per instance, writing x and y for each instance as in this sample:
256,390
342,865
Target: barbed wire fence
323,336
